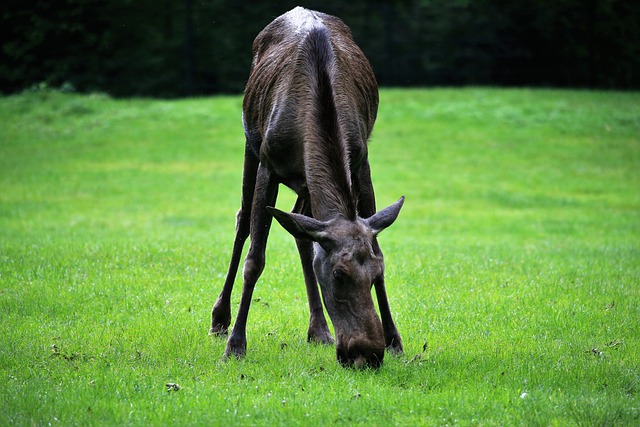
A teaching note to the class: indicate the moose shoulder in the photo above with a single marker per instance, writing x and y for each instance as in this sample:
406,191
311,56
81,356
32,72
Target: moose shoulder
309,107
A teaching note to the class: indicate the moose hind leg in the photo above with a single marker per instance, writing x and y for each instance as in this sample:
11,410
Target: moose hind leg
265,195
221,313
318,329
366,208
392,339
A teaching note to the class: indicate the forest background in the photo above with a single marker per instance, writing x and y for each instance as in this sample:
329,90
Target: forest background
165,48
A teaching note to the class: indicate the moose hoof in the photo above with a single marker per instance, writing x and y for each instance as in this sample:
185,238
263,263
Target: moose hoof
218,330
394,347
235,348
220,320
320,337
318,331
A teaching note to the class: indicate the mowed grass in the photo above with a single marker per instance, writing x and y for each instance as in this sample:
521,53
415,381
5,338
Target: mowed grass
513,270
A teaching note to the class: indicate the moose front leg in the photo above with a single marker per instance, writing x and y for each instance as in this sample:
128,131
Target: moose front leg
366,208
265,195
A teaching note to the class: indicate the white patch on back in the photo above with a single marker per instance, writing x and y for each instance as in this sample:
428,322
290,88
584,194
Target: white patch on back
303,20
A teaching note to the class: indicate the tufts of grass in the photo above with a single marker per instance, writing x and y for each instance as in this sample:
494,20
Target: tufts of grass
513,269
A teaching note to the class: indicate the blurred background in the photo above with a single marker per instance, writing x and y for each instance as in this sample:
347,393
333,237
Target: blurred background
175,48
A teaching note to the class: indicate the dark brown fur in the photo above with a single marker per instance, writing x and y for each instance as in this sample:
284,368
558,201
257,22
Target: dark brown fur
309,107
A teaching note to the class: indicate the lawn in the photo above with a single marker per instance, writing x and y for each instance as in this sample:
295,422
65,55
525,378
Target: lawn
513,270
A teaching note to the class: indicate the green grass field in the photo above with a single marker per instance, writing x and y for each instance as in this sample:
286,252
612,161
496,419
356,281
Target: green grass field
513,270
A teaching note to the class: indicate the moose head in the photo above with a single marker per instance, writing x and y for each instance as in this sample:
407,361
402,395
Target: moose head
346,266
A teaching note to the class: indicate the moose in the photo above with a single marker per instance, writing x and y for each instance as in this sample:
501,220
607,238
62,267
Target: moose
309,107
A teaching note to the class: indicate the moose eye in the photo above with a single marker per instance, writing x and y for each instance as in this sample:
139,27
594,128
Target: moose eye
339,275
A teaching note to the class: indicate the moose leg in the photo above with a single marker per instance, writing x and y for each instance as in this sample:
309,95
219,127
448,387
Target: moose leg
366,208
392,338
318,330
265,194
221,313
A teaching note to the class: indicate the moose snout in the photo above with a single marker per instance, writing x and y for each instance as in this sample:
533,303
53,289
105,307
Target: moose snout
360,353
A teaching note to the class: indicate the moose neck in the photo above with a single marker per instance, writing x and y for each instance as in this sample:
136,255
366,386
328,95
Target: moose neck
329,182
327,164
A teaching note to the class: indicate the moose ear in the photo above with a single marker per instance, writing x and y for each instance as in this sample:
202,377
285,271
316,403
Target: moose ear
381,220
300,226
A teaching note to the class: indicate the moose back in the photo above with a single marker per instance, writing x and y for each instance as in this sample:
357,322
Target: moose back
309,107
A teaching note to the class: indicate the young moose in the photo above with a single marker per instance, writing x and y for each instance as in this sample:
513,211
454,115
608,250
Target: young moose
309,107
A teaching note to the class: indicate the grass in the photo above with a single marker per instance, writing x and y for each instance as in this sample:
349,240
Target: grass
513,270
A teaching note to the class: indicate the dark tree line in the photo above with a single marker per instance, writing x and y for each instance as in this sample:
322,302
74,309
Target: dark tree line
168,48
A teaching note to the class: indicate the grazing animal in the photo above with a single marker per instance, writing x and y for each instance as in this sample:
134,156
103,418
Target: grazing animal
309,107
